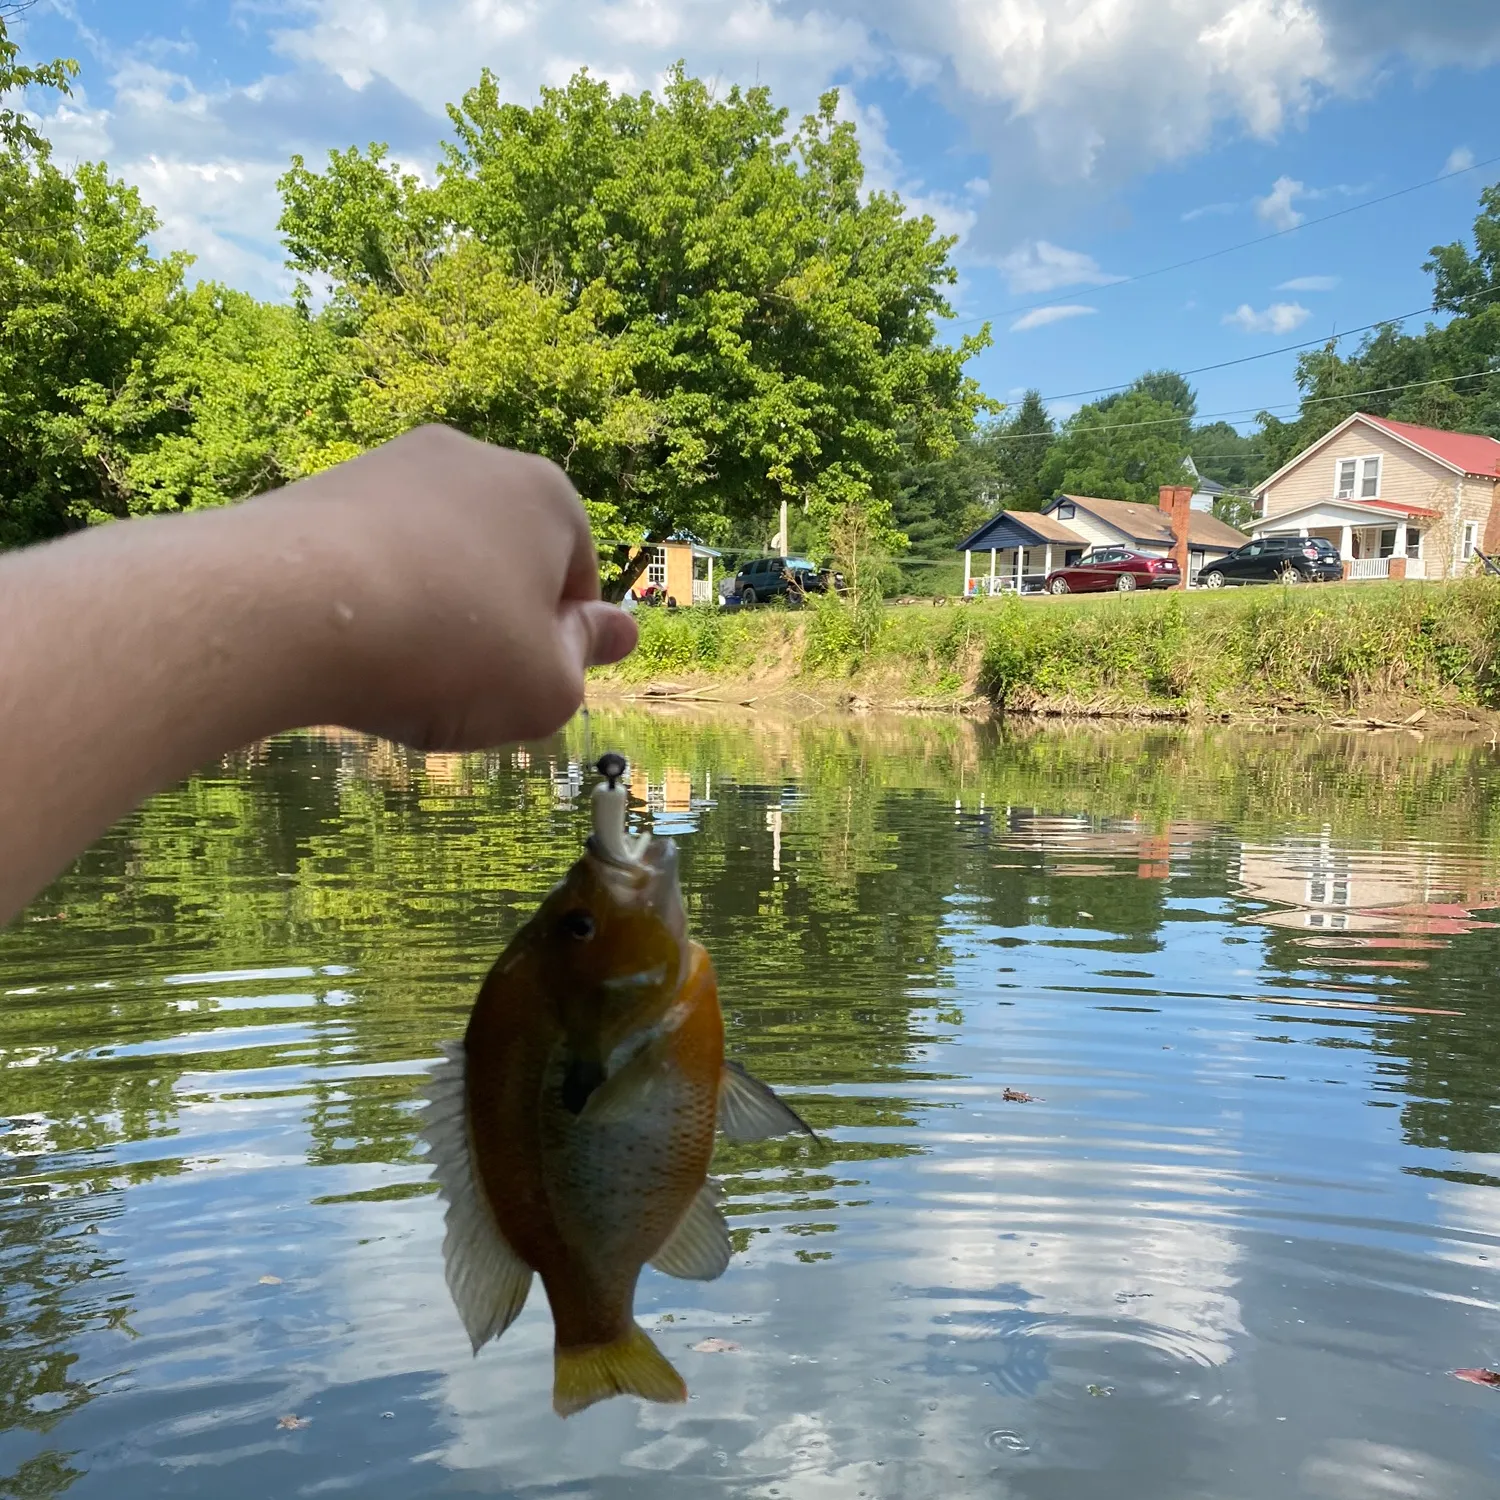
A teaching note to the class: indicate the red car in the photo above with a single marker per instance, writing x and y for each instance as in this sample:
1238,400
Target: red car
1114,568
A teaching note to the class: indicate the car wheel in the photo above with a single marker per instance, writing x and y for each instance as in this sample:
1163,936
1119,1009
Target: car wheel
1125,583
1211,579
1289,575
1059,585
747,595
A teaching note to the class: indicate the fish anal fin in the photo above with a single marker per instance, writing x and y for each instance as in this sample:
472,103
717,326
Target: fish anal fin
699,1247
487,1279
749,1111
632,1366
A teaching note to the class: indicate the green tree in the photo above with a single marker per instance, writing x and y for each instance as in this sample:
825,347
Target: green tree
17,133
1020,445
85,311
1123,451
744,322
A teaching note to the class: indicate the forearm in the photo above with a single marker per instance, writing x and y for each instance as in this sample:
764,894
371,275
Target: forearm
131,655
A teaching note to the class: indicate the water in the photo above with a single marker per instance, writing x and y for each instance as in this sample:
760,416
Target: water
1231,1240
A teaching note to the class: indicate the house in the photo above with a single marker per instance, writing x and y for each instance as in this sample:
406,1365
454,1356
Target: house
1205,491
682,567
1397,500
1025,546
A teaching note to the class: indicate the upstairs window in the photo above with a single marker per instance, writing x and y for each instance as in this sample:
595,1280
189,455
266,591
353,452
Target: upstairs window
1358,478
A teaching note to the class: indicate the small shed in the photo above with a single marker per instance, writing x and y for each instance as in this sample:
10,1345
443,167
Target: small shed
1024,546
681,566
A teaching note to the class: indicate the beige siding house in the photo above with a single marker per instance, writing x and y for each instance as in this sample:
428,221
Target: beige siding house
1396,499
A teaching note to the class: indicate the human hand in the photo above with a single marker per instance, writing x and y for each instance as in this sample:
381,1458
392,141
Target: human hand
460,591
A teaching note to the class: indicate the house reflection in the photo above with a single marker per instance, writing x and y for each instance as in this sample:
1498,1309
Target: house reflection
1323,887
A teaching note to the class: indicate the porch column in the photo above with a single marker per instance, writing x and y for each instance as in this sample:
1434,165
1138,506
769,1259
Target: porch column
710,578
1047,559
967,556
1346,543
1400,540
1303,533
992,570
1020,565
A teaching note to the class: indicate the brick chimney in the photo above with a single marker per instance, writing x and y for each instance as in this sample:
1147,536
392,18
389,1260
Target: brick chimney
1177,501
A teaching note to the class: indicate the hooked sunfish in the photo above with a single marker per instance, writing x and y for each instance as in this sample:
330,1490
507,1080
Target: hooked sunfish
571,1129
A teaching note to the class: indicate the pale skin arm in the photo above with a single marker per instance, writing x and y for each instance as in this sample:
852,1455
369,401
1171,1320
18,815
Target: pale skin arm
437,591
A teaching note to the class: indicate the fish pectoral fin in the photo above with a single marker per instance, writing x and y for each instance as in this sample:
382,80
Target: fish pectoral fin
487,1279
632,1366
631,1089
750,1111
699,1247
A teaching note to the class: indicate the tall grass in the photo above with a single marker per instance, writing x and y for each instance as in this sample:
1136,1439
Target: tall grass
1324,648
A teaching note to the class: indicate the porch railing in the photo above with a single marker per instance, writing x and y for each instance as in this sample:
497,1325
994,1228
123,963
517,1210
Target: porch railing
703,591
1370,567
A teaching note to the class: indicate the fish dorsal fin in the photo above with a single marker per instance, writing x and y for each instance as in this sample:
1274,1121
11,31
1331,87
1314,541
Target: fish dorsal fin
699,1248
488,1280
749,1111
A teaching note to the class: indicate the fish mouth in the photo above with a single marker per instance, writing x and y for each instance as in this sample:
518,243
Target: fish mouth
649,880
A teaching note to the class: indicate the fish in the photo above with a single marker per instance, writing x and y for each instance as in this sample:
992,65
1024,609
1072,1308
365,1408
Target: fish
570,1131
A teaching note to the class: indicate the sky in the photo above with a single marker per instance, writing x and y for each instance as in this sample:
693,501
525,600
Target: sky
1072,146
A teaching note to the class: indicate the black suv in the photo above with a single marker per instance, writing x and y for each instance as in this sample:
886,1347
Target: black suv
1276,559
788,577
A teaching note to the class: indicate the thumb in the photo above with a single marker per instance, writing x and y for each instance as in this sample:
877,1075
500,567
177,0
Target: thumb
595,634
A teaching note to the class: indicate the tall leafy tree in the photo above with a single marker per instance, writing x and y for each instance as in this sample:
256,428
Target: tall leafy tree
85,311
1020,445
738,320
1125,450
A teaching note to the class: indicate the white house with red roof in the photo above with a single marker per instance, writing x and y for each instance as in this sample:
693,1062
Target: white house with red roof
1397,500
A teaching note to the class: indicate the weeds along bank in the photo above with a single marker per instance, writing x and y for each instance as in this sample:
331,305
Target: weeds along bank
1330,648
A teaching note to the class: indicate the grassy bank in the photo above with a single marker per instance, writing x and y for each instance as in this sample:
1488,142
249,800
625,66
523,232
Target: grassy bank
1333,649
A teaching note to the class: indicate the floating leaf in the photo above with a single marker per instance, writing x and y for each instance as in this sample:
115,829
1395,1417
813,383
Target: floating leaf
1479,1377
292,1422
715,1346
270,1281
1018,1096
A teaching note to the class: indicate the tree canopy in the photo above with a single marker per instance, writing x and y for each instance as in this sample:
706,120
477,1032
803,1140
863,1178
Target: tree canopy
695,312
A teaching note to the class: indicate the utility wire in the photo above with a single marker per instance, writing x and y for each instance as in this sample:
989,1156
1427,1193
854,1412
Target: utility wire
1245,359
1261,239
1238,411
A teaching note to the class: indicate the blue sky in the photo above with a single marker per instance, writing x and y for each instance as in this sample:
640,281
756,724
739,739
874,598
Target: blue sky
1067,142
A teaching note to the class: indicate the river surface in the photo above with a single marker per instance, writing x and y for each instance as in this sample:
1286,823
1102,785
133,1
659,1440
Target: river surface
1156,1073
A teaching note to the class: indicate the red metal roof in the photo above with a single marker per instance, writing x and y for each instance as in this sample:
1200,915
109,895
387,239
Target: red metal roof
1399,508
1464,450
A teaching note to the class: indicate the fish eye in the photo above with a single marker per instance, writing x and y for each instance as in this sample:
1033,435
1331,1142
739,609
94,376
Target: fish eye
578,924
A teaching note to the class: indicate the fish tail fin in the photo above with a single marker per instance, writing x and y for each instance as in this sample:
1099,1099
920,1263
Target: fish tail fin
631,1366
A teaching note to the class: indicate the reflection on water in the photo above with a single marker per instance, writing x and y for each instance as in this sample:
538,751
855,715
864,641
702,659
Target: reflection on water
1235,1224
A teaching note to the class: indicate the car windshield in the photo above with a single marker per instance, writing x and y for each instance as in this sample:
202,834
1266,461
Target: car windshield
801,564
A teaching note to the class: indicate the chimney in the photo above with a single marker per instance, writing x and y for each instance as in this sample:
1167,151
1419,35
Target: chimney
1177,501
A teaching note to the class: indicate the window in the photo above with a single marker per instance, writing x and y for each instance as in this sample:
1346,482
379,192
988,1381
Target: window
1388,541
1066,512
1358,476
1471,539
1413,543
656,566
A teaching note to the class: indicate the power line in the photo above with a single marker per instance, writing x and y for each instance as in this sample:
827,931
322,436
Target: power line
1275,234
1238,411
1245,359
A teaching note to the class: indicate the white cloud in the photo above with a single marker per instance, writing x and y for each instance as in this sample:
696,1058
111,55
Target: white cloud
1065,96
1208,210
1276,208
1039,317
1460,159
1279,317
1309,284
1043,267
